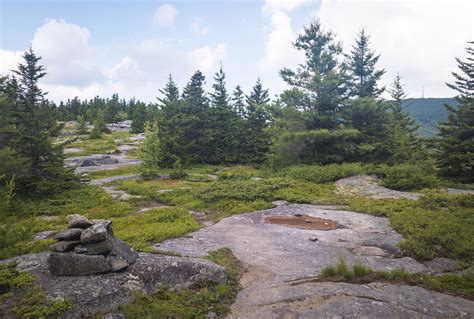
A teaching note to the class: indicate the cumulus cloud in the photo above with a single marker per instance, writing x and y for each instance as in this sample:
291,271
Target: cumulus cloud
9,60
165,15
272,6
198,28
207,58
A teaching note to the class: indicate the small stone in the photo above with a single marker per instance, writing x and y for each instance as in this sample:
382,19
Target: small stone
114,316
298,215
44,235
78,221
95,233
64,246
116,263
313,239
99,248
69,234
79,249
77,265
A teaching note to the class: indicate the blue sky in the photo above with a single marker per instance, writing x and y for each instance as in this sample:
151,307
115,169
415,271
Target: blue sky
130,47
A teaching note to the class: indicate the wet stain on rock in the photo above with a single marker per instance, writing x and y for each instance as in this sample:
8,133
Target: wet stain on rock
302,221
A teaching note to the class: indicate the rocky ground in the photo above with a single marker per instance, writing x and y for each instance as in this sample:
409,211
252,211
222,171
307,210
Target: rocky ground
282,259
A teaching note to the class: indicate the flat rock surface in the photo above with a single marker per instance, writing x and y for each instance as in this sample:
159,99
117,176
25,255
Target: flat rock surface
364,185
282,260
106,291
109,162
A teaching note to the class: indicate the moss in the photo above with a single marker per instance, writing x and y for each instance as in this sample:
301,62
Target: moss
26,299
462,285
194,302
122,170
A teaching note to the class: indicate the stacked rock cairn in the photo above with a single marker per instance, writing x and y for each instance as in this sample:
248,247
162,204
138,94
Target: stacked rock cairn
88,247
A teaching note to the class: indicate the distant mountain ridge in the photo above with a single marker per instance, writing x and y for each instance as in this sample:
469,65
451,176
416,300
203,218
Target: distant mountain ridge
428,112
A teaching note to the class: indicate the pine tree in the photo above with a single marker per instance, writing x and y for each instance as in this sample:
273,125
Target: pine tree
139,117
171,134
362,76
81,125
238,101
223,123
100,126
257,139
456,135
35,127
320,76
150,151
194,121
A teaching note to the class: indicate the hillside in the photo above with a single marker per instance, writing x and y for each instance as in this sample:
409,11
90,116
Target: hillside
428,112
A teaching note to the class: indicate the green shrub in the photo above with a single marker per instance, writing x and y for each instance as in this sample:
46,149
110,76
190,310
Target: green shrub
325,173
410,176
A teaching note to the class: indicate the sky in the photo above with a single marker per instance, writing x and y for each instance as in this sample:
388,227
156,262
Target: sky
101,47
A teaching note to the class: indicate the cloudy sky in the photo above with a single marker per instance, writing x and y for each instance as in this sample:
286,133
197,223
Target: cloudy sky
99,47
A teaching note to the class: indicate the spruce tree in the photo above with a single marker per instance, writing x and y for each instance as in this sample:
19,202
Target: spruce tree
139,117
362,76
35,128
238,101
456,135
150,151
223,123
194,121
320,76
81,125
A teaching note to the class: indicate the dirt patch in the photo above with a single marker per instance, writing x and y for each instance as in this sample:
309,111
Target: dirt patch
302,221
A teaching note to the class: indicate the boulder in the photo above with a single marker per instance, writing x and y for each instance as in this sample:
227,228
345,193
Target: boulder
69,234
77,264
105,292
78,221
95,233
99,248
116,262
64,246
120,249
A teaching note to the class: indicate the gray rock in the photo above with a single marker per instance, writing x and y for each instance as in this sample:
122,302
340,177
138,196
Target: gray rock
77,264
105,292
78,221
440,265
364,185
116,263
121,249
99,248
69,234
64,246
79,249
114,316
44,235
457,191
95,233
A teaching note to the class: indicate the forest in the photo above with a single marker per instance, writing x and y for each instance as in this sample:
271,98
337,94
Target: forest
228,152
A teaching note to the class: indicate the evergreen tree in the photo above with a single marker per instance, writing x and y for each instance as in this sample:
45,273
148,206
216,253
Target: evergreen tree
320,76
456,135
171,135
35,127
139,117
257,139
150,151
194,121
223,123
362,76
81,125
238,101
100,126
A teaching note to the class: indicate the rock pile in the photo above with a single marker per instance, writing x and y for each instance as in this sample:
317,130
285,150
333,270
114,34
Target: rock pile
88,247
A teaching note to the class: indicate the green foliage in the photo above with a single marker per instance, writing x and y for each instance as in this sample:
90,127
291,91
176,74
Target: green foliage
150,151
410,176
462,285
81,125
325,173
193,302
122,170
26,299
106,144
100,126
139,117
438,224
144,229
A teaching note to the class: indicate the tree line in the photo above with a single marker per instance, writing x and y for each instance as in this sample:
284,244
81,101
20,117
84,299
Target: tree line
333,112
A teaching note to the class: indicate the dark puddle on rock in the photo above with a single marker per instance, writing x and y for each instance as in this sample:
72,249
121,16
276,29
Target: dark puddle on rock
302,221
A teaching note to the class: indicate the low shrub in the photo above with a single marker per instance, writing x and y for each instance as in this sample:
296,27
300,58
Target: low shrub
410,176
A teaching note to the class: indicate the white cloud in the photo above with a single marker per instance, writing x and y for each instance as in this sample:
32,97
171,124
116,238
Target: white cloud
207,58
165,15
198,28
418,39
272,6
9,60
